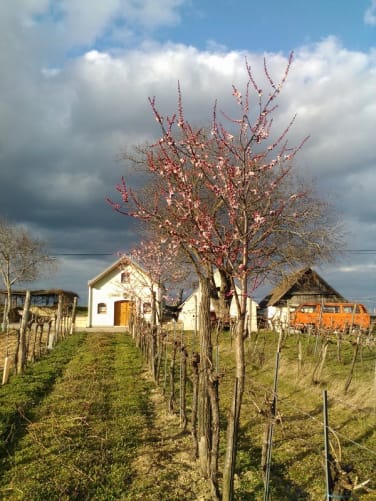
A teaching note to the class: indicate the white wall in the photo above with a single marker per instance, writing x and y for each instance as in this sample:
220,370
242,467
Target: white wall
190,312
109,289
278,318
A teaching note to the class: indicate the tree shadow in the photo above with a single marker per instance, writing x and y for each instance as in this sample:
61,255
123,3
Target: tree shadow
280,486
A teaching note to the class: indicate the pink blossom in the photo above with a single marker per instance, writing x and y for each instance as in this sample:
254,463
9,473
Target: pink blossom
258,219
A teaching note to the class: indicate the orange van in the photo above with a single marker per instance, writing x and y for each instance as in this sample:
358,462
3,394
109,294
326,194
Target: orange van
330,316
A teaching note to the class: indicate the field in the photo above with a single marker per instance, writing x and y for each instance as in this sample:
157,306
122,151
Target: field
298,442
86,422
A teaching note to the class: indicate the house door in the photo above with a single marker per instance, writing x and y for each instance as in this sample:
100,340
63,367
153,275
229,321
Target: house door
122,312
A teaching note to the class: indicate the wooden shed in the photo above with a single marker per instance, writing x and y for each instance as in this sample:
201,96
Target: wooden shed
46,299
304,286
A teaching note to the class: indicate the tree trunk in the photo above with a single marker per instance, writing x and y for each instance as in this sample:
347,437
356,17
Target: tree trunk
224,299
183,386
171,402
234,416
195,384
165,354
204,413
160,351
215,431
208,407
153,340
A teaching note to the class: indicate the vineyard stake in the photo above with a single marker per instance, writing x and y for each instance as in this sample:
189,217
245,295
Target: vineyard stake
328,478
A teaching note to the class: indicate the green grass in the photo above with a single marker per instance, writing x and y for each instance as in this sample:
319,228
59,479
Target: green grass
86,429
297,458
297,471
19,397
85,432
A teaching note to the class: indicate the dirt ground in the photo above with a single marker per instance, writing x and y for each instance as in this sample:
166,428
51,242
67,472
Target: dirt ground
171,453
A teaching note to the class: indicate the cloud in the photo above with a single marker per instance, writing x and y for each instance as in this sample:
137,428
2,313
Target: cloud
65,121
370,14
70,24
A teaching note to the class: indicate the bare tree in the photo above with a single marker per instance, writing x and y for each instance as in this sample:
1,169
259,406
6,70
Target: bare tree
22,259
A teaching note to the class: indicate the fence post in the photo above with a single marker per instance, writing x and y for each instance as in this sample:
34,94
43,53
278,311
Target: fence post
73,316
272,415
6,370
374,390
328,477
59,319
4,321
21,356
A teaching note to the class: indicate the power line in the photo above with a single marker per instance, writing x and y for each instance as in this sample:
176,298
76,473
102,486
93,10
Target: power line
360,251
84,253
341,250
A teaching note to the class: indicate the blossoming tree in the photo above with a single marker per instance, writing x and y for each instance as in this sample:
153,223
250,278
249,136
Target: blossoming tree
230,198
162,270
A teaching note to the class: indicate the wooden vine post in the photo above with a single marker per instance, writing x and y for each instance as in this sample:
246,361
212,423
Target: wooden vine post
328,477
73,317
353,361
59,319
339,484
195,384
6,369
171,402
271,417
21,353
183,388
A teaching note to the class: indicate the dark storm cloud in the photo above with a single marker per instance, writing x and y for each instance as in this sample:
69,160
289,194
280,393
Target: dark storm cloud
64,122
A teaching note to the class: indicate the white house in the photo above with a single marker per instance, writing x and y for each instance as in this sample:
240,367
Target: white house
122,288
189,312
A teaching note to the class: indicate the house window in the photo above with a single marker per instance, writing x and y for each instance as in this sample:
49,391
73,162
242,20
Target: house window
351,309
102,308
308,309
330,309
146,307
124,277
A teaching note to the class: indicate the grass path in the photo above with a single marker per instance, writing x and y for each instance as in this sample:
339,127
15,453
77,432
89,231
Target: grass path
86,423
101,433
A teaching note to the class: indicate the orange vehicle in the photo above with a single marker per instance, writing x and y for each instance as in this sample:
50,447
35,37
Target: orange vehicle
330,316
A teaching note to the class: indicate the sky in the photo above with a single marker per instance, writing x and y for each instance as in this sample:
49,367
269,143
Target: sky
75,80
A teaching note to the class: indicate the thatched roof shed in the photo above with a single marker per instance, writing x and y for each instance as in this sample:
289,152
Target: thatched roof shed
303,286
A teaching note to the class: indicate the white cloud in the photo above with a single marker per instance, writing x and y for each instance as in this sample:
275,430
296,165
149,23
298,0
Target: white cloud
64,121
84,22
358,268
96,105
370,14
